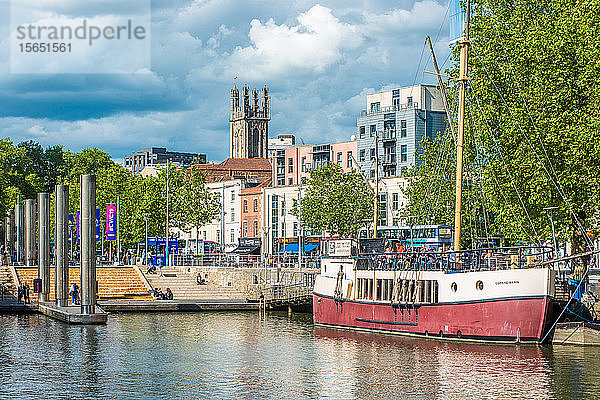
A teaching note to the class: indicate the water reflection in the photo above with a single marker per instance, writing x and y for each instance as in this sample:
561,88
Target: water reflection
233,356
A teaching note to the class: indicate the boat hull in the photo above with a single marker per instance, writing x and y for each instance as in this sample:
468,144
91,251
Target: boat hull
507,319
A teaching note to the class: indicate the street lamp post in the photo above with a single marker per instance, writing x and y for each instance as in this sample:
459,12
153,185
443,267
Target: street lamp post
146,247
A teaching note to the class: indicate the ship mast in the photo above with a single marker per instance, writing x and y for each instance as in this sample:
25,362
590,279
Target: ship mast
462,92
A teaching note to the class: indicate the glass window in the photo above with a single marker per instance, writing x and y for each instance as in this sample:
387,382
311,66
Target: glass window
372,174
361,155
303,164
255,205
395,201
283,208
375,106
232,195
290,165
361,132
409,101
256,228
295,229
349,161
403,128
245,228
232,214
290,181
373,153
232,236
339,158
372,130
403,153
245,205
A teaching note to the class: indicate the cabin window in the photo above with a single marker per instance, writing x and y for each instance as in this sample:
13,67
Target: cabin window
454,287
378,289
479,285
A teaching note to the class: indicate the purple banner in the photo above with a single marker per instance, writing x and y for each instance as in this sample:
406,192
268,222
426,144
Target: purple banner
78,226
98,226
111,222
71,227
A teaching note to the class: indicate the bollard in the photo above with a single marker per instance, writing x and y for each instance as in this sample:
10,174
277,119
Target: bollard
44,244
88,243
61,243
30,232
19,225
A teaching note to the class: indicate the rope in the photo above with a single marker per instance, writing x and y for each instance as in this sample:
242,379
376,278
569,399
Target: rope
511,179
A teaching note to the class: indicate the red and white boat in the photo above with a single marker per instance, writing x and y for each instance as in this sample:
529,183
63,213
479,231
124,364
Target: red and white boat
497,303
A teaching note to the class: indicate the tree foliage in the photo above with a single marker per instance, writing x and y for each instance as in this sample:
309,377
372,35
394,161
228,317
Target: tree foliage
533,121
335,202
28,168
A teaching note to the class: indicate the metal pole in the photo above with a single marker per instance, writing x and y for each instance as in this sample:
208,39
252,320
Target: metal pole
44,244
118,230
167,227
88,244
8,233
376,205
19,222
146,249
30,212
61,244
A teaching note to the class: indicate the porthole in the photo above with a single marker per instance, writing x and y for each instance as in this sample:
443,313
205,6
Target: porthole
479,285
454,286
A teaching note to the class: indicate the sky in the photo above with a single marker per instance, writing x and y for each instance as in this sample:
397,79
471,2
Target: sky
319,60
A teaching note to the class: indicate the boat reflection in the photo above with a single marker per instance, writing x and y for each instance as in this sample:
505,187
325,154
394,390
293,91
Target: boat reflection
404,367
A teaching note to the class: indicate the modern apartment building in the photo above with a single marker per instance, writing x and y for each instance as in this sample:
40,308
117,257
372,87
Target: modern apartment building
292,164
397,120
156,156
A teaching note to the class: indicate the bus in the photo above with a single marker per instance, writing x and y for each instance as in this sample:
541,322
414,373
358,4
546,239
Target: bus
204,247
434,236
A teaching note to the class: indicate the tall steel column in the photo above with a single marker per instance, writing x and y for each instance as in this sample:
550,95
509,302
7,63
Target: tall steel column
8,242
61,245
44,244
30,232
19,225
88,243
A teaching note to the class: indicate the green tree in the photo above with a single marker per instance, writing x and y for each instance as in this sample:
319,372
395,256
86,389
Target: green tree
535,97
335,202
193,204
15,176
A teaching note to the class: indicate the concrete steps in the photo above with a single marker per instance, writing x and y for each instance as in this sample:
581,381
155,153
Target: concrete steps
184,287
7,279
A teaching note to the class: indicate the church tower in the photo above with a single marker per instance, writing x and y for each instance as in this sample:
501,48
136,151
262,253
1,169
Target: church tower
249,123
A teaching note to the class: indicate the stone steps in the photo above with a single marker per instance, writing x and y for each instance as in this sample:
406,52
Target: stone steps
184,286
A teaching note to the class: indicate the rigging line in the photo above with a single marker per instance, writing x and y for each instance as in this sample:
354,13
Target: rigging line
418,67
479,162
423,204
535,129
511,179
555,183
441,176
435,175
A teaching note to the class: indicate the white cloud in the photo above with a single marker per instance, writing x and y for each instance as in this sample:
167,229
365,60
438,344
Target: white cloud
315,43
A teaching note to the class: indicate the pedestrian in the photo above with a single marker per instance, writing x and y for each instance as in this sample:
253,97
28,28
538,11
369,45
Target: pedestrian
19,294
73,293
26,293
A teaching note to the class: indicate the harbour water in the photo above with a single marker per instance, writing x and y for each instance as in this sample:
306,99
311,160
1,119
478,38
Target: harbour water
244,356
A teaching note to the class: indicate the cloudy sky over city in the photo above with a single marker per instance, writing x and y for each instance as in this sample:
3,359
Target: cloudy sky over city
319,60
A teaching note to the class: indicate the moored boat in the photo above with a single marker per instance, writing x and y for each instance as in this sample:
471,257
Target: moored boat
466,295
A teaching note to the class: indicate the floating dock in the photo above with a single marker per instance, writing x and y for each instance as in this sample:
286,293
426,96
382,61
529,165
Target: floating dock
72,314
577,333
176,305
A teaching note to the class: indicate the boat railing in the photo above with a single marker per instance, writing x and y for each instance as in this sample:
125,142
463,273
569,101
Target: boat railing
457,261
